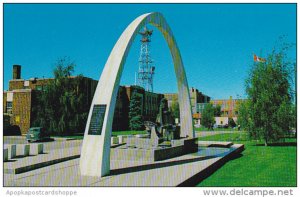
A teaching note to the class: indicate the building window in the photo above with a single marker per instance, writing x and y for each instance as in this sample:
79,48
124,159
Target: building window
26,84
9,107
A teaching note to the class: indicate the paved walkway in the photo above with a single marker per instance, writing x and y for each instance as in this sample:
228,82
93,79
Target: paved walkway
171,172
31,171
57,143
54,153
22,164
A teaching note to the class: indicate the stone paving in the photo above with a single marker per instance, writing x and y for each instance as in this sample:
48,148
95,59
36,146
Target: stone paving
63,167
171,172
22,164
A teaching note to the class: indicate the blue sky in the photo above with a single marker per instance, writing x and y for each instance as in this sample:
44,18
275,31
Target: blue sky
217,41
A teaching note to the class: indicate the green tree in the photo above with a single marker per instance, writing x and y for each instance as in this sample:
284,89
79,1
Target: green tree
175,109
208,118
231,122
121,119
244,119
135,112
269,112
217,110
61,107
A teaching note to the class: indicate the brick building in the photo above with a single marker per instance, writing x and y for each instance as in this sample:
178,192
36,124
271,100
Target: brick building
17,105
21,97
229,109
150,105
195,96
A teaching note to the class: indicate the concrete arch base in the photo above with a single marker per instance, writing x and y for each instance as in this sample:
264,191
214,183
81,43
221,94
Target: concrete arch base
95,153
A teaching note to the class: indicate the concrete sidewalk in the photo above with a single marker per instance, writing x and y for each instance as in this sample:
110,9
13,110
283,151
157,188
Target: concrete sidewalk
22,164
180,171
55,154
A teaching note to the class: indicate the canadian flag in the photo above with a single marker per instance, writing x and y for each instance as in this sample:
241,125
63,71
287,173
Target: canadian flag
258,59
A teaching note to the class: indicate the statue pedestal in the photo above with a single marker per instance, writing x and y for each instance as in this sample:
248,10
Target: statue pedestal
142,149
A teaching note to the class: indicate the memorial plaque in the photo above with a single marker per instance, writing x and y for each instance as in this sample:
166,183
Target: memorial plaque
97,118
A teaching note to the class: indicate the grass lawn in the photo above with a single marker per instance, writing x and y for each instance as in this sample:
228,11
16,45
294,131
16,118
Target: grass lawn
215,129
257,166
114,133
77,136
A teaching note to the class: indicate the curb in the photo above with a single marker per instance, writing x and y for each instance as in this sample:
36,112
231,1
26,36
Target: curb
38,165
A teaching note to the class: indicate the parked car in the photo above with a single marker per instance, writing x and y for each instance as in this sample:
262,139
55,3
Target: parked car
37,134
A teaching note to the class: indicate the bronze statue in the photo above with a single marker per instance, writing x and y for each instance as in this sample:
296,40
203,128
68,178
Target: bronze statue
164,127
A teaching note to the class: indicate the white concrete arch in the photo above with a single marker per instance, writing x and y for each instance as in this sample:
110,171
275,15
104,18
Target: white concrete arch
95,153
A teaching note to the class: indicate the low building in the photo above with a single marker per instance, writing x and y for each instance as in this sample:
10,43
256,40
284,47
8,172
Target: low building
21,97
195,96
222,121
229,109
149,107
17,105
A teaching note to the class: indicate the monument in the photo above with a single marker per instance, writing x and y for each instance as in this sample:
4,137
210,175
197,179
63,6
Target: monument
95,153
162,142
164,127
